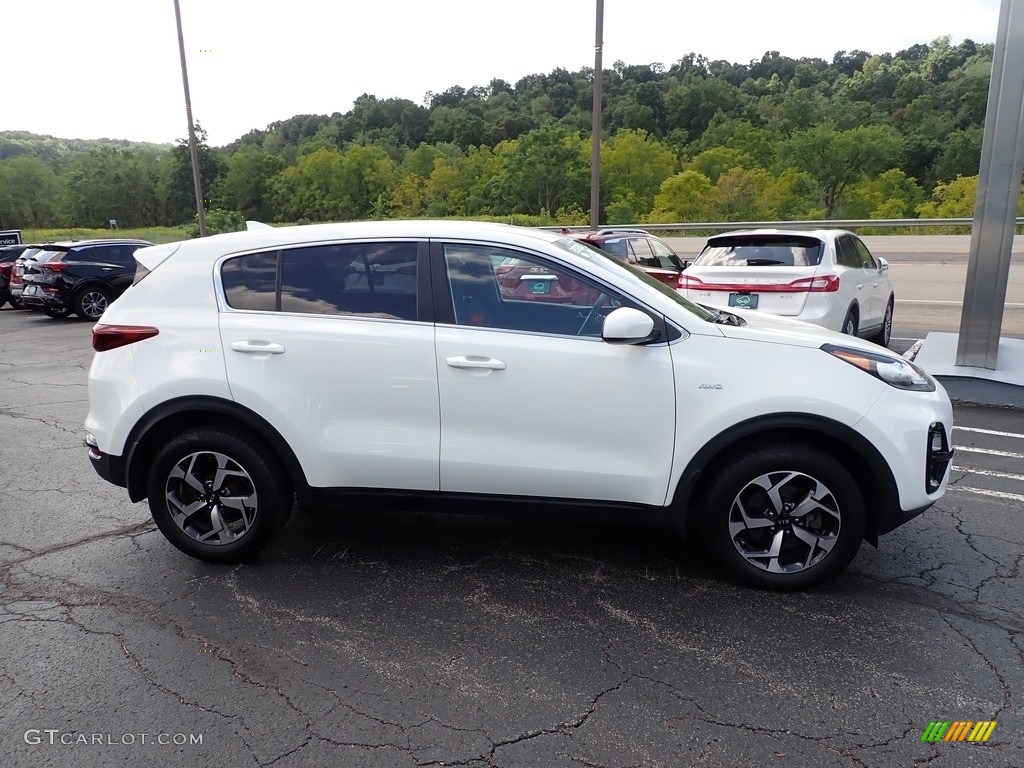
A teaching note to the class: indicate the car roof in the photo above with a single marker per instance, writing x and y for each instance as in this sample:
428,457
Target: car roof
821,234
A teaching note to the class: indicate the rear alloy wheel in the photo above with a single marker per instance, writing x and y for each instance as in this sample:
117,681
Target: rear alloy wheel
91,303
885,332
784,517
218,495
850,323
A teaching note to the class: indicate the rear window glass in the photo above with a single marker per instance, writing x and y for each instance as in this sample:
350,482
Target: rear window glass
768,251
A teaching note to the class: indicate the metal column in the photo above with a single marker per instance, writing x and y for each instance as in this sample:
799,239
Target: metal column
995,209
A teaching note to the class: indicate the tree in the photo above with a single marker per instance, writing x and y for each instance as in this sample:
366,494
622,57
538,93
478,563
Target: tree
244,186
837,159
685,196
180,193
716,161
548,169
29,192
891,195
633,166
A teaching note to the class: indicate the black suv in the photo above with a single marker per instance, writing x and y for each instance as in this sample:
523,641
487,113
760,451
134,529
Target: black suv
80,277
639,248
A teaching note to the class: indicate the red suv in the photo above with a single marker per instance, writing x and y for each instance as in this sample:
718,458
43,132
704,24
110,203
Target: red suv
639,248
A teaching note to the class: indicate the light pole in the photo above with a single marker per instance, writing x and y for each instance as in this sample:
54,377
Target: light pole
595,156
193,149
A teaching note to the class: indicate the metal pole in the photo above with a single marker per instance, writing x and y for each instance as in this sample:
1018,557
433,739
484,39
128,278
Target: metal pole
192,146
995,208
595,156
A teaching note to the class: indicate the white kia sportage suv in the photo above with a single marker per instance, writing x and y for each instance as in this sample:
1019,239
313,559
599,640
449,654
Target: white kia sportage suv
243,373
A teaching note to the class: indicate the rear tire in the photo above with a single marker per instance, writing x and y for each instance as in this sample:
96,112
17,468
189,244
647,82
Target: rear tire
218,495
850,323
783,517
885,332
91,303
57,313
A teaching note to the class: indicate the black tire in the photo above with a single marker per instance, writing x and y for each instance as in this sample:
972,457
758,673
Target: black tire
90,303
775,548
56,313
850,323
885,332
260,495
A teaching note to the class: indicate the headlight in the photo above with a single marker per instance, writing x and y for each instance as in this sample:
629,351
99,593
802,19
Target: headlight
894,371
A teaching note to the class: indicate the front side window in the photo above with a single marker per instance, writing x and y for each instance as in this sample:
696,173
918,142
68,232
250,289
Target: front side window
867,261
493,287
846,253
665,256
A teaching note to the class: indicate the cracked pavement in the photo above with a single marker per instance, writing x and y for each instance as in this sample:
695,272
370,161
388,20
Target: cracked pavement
364,637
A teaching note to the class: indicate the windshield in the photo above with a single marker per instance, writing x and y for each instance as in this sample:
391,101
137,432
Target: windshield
760,251
604,262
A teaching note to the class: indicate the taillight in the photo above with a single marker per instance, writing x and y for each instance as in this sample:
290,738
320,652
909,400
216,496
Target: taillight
685,282
820,284
106,337
53,266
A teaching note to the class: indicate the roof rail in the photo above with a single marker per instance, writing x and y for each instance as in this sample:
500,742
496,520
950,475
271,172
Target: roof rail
623,231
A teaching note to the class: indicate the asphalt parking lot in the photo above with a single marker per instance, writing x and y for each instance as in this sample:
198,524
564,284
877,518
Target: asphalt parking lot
364,637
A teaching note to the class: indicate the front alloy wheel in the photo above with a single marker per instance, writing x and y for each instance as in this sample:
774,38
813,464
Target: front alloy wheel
784,517
217,495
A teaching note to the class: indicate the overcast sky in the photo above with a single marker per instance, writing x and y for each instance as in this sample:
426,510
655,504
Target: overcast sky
110,68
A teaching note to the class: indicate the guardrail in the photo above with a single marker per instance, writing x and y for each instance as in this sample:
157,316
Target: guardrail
810,224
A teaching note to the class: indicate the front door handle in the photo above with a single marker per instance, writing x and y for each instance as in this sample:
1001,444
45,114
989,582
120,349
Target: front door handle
475,361
258,347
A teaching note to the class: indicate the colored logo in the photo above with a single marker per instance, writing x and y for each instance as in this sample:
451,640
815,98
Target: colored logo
958,730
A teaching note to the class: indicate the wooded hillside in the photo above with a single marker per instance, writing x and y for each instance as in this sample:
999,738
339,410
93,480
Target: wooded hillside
862,135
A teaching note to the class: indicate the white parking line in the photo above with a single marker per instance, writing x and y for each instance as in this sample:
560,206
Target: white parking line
988,473
984,492
988,431
989,452
947,301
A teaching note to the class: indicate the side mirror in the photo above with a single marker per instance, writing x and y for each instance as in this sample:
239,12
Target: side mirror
626,325
882,264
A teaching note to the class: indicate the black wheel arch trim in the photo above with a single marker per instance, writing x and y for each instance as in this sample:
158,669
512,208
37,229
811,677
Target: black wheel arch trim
226,412
857,454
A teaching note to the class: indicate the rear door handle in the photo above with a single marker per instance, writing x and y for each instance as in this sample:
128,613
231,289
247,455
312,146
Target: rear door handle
475,361
258,347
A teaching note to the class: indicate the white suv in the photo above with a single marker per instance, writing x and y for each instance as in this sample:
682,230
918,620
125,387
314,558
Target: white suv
246,372
824,276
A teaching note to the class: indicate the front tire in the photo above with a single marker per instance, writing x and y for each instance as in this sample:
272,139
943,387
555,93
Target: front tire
91,303
218,495
783,517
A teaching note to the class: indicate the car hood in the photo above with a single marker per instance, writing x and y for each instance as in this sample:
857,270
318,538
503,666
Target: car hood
773,329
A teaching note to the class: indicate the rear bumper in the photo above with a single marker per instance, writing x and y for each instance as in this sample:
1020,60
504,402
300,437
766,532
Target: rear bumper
110,468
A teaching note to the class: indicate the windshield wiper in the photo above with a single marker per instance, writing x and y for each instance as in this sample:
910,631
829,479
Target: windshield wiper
763,262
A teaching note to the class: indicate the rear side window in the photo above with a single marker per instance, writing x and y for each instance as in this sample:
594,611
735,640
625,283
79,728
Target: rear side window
369,279
761,251
365,279
250,282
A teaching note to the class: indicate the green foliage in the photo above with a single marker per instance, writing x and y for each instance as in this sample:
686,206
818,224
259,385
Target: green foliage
218,221
685,196
29,193
861,134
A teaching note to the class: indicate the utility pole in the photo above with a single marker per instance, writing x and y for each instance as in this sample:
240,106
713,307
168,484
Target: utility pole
193,148
595,156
